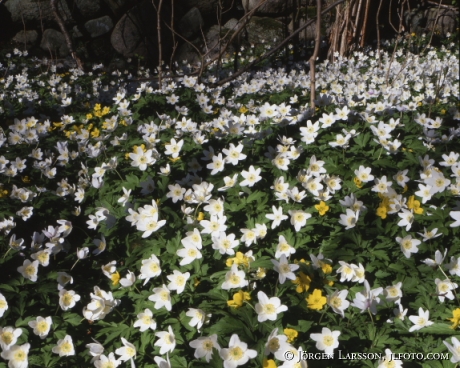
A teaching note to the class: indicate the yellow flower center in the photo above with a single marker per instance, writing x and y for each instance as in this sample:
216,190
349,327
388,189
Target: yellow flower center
236,353
7,337
328,340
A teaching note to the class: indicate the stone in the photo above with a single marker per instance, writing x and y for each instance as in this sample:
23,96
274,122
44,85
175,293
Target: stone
191,23
88,8
442,21
54,41
33,10
207,8
273,7
26,38
265,29
95,27
309,33
136,33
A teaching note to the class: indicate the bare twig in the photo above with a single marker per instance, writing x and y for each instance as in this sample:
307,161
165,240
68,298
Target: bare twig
378,29
280,45
366,15
160,51
314,56
173,38
68,40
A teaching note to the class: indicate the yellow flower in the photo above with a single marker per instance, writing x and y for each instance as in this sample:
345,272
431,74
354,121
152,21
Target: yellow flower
291,334
270,363
243,110
455,319
322,208
326,267
328,282
303,282
105,110
97,107
238,299
25,179
172,159
89,116
200,216
358,182
443,112
382,212
123,123
115,278
413,34
316,300
405,189
95,133
196,282
240,259
414,204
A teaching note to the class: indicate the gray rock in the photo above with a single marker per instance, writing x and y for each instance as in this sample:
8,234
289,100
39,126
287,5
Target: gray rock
231,23
309,33
95,27
54,41
273,7
187,53
33,10
26,38
207,8
136,33
443,21
88,8
191,23
264,29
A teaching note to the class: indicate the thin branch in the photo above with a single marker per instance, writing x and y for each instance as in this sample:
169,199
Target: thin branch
314,56
68,40
160,51
280,45
366,15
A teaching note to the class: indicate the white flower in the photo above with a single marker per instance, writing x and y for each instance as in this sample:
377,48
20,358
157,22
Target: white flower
224,243
283,248
277,216
127,352
161,297
350,219
284,269
173,148
438,258
95,350
204,346
64,347
41,326
67,299
427,235
268,308
217,164
444,289
150,268
107,361
237,353
162,363
251,177
29,270
141,159
198,317
456,216
408,245
145,321
299,218
101,244
234,279
9,337
393,293
178,281
188,254
407,217
346,271
42,256
364,174
337,301
389,361
128,280
166,341
233,154
367,299
420,321
454,350
214,226
424,192
125,197
17,356
276,343
3,305
327,340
